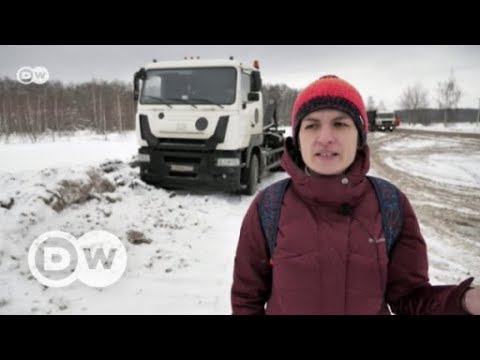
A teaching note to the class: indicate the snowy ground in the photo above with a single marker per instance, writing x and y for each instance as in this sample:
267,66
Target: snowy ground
453,127
84,148
441,176
182,263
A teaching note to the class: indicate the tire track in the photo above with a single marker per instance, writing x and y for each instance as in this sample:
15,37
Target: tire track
451,210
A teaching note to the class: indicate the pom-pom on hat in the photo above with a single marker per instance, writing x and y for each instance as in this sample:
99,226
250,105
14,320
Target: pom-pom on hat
330,91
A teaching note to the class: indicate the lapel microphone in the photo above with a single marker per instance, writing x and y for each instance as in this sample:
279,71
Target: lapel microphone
345,209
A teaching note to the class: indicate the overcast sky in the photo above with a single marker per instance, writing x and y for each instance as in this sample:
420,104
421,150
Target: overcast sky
380,71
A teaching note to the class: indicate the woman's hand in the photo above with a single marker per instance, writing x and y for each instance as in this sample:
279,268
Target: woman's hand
471,301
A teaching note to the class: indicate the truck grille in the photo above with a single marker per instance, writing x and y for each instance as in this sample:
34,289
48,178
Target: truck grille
182,160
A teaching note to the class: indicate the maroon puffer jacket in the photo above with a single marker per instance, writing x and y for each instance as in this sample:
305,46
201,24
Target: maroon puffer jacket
328,263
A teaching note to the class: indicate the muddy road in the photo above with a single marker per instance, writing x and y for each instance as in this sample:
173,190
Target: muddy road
447,211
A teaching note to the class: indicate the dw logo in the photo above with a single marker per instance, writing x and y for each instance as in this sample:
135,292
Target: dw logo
38,75
98,258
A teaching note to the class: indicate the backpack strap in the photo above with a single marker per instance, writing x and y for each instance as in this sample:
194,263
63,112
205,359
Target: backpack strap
388,197
269,207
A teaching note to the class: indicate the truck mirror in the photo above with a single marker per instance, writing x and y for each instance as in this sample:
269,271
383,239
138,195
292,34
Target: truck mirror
253,96
139,75
255,81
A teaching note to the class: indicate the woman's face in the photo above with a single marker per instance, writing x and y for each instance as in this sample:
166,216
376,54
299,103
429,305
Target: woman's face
328,141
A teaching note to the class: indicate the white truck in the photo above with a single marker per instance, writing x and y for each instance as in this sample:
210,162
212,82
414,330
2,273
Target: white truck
382,121
202,123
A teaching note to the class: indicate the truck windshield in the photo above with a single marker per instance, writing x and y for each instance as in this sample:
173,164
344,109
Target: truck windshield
386,116
190,86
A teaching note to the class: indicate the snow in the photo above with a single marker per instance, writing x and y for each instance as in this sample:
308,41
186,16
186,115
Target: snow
84,148
287,129
441,168
409,144
185,265
468,127
441,163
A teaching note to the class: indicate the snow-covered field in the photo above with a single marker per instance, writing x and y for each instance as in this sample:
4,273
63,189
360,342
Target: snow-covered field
183,265
83,148
468,127
435,159
441,175
180,258
448,169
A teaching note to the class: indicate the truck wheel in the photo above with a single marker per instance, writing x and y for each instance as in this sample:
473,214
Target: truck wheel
252,176
142,177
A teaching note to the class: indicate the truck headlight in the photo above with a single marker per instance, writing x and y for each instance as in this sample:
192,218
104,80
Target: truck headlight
143,157
228,162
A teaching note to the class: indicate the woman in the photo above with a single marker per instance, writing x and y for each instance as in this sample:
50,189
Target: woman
328,260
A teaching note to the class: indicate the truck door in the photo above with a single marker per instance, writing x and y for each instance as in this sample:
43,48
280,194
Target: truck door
250,109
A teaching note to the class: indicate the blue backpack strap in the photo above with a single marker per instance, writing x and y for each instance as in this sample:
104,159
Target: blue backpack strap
269,206
388,197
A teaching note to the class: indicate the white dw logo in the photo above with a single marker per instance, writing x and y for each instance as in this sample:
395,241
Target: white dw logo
38,75
98,258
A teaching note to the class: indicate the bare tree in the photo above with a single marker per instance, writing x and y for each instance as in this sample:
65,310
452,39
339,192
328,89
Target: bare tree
30,120
449,95
414,97
55,110
94,106
44,111
381,106
371,104
3,117
40,128
103,118
478,112
119,112
283,95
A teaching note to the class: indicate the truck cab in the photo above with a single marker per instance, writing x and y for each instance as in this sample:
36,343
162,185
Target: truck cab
200,123
387,121
382,121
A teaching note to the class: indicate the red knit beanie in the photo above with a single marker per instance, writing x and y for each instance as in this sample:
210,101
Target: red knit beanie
330,92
